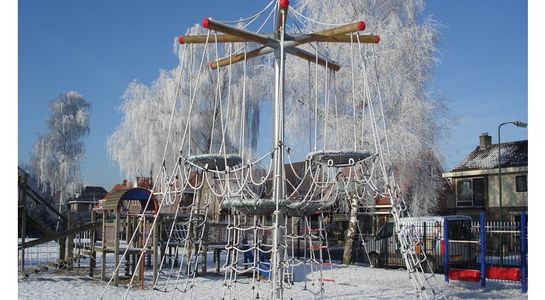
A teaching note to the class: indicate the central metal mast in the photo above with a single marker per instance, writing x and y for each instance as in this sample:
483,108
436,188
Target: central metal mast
278,175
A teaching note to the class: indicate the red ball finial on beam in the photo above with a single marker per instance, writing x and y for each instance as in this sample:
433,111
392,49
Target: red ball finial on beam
361,25
181,39
205,22
284,4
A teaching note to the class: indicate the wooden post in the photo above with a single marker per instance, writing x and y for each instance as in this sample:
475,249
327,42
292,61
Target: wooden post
23,234
103,254
204,247
204,265
217,256
93,254
22,196
176,253
69,255
134,267
154,246
116,247
128,234
62,249
142,253
148,253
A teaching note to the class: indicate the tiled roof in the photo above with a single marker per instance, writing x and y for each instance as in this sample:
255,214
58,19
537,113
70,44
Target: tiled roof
91,194
94,190
513,154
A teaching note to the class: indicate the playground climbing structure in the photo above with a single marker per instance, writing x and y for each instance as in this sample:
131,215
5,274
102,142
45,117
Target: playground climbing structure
272,203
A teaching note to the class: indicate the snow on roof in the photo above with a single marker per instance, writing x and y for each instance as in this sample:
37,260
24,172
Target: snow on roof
513,154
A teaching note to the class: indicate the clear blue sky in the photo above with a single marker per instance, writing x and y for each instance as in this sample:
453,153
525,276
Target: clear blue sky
98,47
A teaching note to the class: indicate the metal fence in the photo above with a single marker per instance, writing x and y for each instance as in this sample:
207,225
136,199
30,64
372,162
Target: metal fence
501,253
475,251
38,256
48,254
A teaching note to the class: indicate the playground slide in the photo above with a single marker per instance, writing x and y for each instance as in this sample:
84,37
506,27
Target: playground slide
41,226
36,197
59,235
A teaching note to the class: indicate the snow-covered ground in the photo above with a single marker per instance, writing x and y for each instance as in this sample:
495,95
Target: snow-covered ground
351,282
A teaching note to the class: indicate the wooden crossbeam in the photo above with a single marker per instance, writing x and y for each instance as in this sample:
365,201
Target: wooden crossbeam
312,58
265,50
346,38
226,38
201,39
248,36
234,34
340,30
240,57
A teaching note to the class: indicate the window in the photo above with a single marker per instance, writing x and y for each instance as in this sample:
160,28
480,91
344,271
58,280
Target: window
478,191
464,193
470,192
522,183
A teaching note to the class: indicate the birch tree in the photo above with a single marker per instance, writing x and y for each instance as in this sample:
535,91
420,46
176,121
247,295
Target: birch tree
56,155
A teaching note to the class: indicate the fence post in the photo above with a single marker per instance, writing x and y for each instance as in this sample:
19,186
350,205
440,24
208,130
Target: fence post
424,239
445,253
523,249
483,249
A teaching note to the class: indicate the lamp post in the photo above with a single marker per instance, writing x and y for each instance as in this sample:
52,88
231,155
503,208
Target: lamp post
518,124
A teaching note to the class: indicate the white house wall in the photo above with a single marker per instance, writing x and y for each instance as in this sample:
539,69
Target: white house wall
510,196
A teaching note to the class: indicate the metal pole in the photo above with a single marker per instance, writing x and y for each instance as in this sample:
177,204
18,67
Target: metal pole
278,178
500,192
445,247
93,254
103,254
518,124
23,193
117,236
483,249
523,251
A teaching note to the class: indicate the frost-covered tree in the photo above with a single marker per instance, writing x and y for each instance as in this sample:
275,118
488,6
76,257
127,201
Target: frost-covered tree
56,155
208,115
396,71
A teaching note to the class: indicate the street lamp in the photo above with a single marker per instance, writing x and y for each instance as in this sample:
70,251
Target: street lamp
518,124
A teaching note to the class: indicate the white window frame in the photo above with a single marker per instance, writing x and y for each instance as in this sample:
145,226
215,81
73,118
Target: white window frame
470,179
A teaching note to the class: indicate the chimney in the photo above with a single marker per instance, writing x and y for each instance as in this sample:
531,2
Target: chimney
485,141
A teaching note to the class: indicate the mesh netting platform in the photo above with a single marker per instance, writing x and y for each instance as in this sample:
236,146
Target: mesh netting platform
337,158
252,206
215,162
300,209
